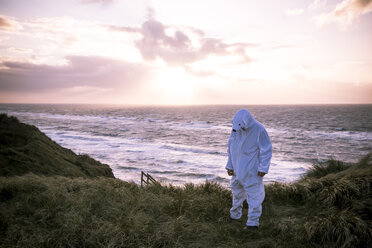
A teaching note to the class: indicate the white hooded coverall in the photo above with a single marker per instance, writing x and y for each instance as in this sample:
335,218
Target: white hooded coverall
249,152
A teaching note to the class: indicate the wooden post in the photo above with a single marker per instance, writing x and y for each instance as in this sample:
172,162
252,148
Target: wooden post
142,179
149,179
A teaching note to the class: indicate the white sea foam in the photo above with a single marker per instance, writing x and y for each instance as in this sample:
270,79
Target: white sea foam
129,156
82,118
191,146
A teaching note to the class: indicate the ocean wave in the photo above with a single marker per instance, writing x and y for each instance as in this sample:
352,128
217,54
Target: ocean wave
101,119
195,125
351,135
194,175
79,137
304,135
221,179
164,172
191,150
128,168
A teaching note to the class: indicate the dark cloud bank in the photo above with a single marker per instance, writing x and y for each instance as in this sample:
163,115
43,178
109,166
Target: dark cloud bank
79,71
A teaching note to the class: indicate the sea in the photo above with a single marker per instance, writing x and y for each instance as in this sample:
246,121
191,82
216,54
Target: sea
188,144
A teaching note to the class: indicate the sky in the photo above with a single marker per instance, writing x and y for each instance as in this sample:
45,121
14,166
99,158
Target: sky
171,52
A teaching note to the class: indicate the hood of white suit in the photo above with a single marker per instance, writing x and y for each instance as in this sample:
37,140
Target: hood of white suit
242,119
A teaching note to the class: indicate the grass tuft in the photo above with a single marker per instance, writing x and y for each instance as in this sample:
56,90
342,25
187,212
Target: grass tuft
322,169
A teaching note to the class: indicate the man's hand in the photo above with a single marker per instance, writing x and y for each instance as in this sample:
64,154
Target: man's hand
261,174
230,172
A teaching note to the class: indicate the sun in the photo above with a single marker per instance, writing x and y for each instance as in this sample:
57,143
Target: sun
175,86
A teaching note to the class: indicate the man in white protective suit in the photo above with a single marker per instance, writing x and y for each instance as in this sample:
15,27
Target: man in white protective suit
249,154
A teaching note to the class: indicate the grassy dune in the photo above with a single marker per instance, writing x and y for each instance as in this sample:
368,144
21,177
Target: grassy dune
24,149
331,206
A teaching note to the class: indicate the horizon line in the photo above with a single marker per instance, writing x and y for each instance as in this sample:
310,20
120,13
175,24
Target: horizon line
187,105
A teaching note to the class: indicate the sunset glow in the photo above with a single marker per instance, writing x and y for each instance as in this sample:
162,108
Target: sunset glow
186,52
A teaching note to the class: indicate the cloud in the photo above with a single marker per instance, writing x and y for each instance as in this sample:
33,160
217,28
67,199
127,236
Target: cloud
173,49
5,23
346,12
273,47
53,38
103,2
199,73
20,50
177,47
123,29
152,42
294,12
317,3
8,24
78,72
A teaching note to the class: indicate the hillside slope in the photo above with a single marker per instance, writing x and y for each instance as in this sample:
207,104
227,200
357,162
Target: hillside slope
333,210
24,149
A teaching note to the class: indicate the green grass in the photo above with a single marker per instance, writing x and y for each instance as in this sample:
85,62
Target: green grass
337,207
329,207
24,149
